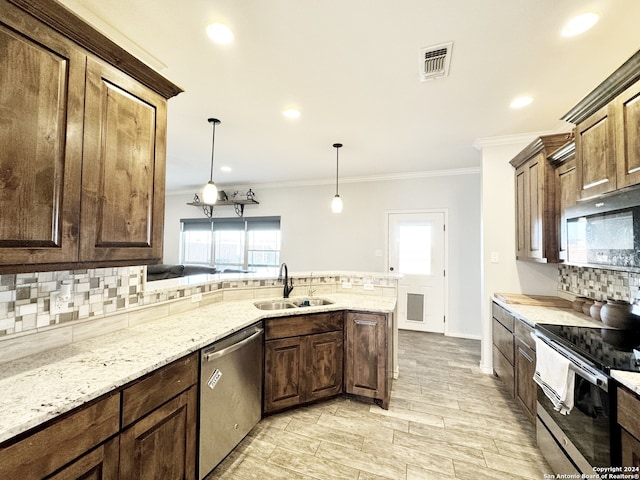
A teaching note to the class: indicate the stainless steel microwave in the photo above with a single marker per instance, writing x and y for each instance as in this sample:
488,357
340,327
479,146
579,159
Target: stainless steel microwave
605,231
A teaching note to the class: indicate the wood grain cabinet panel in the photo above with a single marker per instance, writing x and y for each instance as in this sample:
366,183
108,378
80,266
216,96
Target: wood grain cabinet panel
567,189
325,361
284,373
627,133
50,448
367,364
627,410
82,163
596,161
162,444
42,104
123,172
524,386
99,464
535,190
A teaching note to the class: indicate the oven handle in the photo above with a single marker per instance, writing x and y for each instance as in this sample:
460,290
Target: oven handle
578,366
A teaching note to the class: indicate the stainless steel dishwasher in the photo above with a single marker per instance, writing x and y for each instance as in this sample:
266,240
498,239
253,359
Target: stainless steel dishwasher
230,394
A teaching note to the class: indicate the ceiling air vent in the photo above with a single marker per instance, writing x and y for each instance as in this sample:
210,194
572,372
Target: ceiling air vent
434,61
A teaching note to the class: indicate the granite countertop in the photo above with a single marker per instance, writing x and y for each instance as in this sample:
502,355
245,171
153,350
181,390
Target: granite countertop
40,387
533,314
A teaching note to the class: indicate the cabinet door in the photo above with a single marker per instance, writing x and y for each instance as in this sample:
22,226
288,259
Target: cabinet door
123,170
534,190
42,105
627,124
99,464
324,365
162,444
630,450
525,387
366,362
595,154
567,190
284,375
522,213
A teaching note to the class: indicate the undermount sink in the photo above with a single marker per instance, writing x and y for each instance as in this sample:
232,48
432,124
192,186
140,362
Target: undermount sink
286,303
275,305
312,302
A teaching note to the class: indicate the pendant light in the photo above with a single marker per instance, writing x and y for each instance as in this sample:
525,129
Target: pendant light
336,203
210,192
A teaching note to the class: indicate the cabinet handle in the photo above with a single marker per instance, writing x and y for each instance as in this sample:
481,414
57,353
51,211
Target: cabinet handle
232,348
369,323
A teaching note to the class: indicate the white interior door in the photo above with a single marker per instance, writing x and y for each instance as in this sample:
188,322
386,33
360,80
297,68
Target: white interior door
417,252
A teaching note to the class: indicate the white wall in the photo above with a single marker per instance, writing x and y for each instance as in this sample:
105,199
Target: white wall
313,238
498,235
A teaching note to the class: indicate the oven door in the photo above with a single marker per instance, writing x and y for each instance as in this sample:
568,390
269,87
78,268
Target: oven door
584,434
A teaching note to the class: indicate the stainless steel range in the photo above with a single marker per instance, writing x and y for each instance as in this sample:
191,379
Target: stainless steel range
587,437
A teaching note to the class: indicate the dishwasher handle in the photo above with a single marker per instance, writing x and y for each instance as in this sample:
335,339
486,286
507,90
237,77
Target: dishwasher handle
232,348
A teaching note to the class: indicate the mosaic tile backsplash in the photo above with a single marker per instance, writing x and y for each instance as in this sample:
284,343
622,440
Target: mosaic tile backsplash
28,300
599,283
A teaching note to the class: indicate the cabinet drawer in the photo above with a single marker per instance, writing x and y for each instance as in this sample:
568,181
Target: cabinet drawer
154,390
503,316
503,340
41,453
628,407
298,325
523,333
503,370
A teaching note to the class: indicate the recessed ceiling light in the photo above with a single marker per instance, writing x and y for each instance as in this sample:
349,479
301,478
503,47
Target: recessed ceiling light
291,113
520,102
220,33
225,169
580,24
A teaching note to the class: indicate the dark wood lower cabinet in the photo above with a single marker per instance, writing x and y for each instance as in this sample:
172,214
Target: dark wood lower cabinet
283,373
525,387
368,358
302,368
162,444
99,464
147,430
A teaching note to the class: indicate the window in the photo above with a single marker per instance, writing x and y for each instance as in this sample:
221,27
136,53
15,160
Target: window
232,243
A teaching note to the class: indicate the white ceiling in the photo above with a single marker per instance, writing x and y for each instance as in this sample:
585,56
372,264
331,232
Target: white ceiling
351,67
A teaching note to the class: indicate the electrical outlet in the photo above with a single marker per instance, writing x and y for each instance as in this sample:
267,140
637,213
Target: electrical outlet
368,286
196,297
56,305
346,284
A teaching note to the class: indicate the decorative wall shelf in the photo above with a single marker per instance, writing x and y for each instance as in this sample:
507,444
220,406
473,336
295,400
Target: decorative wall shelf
238,202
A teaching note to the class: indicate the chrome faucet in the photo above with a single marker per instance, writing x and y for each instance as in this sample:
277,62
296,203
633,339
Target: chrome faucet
288,284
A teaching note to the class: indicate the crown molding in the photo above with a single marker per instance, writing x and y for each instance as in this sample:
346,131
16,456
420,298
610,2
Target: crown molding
361,179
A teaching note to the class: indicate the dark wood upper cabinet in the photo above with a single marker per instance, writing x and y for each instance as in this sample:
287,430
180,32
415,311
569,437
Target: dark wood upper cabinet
627,135
596,166
607,133
82,163
42,105
123,172
535,188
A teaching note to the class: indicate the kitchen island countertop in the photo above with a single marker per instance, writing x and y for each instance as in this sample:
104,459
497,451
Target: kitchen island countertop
40,387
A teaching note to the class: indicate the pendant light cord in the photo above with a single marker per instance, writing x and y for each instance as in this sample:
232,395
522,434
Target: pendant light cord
337,147
215,121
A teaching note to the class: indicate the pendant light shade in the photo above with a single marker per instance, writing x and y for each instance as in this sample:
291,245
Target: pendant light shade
210,192
336,203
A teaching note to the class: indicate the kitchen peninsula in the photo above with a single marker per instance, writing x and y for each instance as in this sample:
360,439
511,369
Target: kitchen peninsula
43,389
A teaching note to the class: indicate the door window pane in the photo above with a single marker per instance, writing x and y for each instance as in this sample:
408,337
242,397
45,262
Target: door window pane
414,249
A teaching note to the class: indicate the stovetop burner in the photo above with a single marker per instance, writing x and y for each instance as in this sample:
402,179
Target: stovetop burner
607,349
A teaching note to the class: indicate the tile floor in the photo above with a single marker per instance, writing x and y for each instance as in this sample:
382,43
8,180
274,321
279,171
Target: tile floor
446,421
